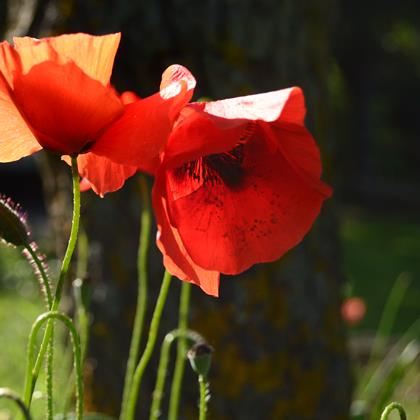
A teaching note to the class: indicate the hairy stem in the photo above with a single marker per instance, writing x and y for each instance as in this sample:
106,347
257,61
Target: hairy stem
31,379
76,353
163,365
203,396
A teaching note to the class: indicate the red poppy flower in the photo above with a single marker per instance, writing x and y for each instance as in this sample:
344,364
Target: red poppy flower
55,94
50,93
239,184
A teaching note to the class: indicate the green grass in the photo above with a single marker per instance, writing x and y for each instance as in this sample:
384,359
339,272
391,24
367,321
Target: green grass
20,305
376,251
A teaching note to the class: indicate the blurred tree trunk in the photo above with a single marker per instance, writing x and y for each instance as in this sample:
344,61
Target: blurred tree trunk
279,343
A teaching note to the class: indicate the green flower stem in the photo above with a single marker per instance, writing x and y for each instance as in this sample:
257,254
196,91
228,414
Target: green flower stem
394,406
180,352
143,251
76,353
49,374
46,289
31,379
203,396
11,395
147,353
163,365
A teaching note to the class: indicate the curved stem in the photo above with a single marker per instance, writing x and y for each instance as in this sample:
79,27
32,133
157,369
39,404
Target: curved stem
147,353
30,380
394,406
143,251
180,352
44,276
203,396
76,353
11,395
163,365
46,289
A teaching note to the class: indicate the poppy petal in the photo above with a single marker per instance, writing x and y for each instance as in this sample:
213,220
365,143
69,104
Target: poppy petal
9,62
299,148
94,55
139,136
103,175
220,233
287,105
16,138
175,258
190,138
228,121
65,107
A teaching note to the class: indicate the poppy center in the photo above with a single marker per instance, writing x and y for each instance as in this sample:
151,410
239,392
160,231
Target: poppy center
217,168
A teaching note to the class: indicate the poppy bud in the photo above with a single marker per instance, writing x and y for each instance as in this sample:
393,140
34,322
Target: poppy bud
200,358
13,227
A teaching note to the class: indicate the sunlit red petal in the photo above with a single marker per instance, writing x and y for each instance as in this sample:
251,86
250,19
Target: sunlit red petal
139,136
103,175
231,227
175,258
215,127
65,107
16,138
286,104
298,147
94,55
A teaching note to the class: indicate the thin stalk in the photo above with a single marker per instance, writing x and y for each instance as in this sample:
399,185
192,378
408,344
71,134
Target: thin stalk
385,326
46,288
49,375
181,351
31,379
394,406
142,255
203,396
76,353
147,353
163,365
11,395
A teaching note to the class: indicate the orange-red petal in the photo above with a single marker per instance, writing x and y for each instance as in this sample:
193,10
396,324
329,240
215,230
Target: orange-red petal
16,138
9,62
103,175
94,55
175,257
139,136
67,109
